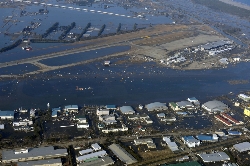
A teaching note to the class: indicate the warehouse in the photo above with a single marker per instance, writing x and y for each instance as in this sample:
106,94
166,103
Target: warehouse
91,156
50,162
6,114
85,151
242,147
214,45
96,147
9,156
207,138
127,110
122,154
214,157
156,106
214,106
172,145
104,161
185,104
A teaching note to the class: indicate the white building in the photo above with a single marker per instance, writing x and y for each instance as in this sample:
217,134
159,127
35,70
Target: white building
102,111
1,126
244,97
172,145
185,104
107,119
91,155
190,141
156,106
214,157
215,106
96,147
127,110
161,115
82,125
242,147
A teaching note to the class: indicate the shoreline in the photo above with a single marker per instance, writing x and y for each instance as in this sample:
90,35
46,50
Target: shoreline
237,4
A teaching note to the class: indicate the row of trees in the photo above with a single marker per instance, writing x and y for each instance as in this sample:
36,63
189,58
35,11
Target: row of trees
63,35
7,48
101,30
51,29
84,31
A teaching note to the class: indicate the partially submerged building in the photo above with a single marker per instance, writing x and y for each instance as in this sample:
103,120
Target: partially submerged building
215,106
127,110
7,115
71,108
156,106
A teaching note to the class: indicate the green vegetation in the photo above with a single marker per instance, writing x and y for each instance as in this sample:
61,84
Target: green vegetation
84,31
7,48
51,29
101,30
223,7
119,28
63,35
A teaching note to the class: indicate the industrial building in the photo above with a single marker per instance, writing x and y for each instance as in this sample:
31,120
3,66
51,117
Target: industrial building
242,147
233,132
190,141
7,115
215,106
104,161
207,138
172,145
156,106
127,110
111,107
244,97
174,106
214,45
91,156
55,111
223,120
102,111
49,162
85,151
185,105
231,119
214,157
143,141
96,147
122,154
71,108
247,111
9,156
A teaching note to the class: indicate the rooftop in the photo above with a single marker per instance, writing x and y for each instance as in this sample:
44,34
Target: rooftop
214,157
122,154
190,163
40,162
6,113
242,147
155,105
127,109
100,161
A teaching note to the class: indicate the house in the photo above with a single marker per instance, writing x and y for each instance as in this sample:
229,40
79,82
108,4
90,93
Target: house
148,121
71,108
127,110
174,106
7,115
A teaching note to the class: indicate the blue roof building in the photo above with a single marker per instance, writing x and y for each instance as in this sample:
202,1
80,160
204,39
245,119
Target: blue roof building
231,132
112,107
205,138
7,114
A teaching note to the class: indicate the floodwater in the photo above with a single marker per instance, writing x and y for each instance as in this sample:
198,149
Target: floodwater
124,84
18,69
